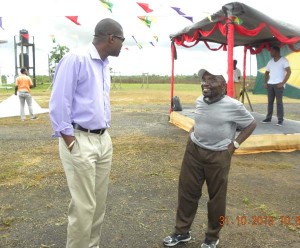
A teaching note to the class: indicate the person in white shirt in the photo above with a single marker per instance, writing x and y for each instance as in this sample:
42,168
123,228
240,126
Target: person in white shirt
237,80
277,74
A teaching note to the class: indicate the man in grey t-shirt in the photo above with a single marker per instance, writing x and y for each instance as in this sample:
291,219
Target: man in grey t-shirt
207,158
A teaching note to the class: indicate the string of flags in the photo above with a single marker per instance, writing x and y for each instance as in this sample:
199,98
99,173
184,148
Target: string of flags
146,19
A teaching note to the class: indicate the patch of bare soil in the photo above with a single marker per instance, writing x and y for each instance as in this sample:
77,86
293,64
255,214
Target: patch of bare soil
263,195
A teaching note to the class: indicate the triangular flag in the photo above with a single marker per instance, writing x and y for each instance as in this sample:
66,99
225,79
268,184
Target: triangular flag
178,10
107,4
145,7
237,20
152,43
190,18
155,38
26,36
74,19
146,20
1,23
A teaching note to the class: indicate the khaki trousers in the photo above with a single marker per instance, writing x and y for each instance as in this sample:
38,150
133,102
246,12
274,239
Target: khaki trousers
87,168
198,166
237,90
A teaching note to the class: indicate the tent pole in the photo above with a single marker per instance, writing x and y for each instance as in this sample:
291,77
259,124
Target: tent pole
244,91
173,51
230,42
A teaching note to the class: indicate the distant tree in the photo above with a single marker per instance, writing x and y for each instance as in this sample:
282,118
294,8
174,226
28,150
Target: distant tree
56,55
3,79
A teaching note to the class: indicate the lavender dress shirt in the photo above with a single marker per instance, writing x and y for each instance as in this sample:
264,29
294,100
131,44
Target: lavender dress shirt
80,92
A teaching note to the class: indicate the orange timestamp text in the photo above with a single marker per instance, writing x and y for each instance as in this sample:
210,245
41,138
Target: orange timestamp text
259,220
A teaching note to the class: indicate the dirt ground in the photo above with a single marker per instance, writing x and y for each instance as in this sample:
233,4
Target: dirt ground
263,196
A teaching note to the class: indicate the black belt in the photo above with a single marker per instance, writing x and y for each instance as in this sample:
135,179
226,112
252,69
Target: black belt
97,131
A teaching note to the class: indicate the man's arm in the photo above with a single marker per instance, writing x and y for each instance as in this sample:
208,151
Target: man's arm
246,132
286,78
266,76
243,135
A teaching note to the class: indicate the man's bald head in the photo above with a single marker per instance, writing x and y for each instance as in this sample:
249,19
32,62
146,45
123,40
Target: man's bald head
108,38
108,26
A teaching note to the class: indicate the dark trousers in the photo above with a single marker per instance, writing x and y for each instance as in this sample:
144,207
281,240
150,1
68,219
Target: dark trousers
274,92
201,165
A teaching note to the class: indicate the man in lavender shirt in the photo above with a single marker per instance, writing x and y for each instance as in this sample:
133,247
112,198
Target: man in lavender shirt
80,116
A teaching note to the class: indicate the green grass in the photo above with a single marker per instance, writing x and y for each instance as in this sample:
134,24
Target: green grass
137,93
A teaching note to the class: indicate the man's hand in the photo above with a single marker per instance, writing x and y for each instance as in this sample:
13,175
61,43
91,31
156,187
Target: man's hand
69,140
265,85
231,148
280,85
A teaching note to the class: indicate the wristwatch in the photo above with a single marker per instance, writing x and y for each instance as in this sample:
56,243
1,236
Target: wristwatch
236,144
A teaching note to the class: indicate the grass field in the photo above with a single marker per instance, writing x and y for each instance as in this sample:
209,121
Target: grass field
126,93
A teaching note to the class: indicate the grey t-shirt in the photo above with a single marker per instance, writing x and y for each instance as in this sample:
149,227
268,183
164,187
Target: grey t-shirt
216,123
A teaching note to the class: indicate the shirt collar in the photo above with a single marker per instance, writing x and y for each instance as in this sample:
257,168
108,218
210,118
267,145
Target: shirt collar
94,53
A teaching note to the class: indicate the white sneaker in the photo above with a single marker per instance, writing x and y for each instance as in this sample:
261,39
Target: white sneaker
209,244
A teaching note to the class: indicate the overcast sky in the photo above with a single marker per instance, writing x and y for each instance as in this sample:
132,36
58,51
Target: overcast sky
45,18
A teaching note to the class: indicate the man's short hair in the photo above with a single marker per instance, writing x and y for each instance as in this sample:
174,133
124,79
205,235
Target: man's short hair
23,70
275,48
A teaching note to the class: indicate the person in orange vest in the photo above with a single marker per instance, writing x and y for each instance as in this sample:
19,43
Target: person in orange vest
23,86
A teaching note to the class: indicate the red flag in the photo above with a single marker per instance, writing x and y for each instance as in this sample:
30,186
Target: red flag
74,19
26,36
145,6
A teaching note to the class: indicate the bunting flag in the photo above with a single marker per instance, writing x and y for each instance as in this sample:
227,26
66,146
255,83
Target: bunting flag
237,20
146,20
74,19
138,44
190,18
152,43
145,7
1,23
107,4
26,36
155,38
179,12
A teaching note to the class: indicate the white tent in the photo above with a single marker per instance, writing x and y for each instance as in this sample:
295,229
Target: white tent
11,107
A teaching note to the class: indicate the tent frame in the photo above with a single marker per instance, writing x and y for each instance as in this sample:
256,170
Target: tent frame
227,28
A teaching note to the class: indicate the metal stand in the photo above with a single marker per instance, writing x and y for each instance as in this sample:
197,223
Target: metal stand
242,94
145,80
116,77
24,63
